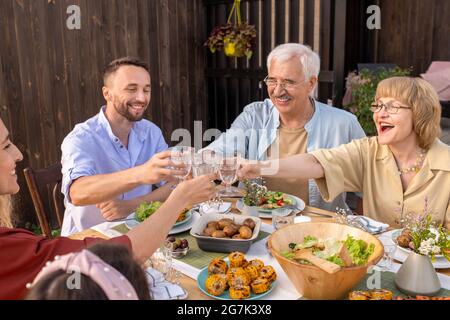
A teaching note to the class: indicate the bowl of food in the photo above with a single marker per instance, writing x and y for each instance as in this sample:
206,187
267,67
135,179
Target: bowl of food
324,260
226,232
178,247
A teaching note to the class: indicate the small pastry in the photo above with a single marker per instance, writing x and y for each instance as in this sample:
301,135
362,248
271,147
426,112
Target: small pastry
216,284
260,285
217,266
239,292
268,272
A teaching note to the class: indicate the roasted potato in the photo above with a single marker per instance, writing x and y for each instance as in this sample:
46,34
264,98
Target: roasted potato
213,224
222,223
249,223
231,229
218,234
208,231
245,232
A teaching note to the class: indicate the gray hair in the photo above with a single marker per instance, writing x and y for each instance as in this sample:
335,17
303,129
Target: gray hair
309,60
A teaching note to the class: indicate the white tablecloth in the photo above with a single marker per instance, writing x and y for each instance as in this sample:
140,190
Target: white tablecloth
285,290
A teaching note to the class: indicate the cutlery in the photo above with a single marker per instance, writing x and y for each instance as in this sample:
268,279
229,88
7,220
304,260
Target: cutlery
323,264
294,207
317,213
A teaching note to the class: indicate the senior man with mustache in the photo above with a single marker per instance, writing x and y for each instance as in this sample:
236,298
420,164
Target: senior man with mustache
290,122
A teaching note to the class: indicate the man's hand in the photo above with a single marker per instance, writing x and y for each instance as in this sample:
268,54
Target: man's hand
160,168
116,209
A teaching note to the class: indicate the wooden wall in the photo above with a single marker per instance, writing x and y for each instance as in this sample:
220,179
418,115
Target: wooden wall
413,33
50,76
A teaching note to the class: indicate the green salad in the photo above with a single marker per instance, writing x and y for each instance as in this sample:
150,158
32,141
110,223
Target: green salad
275,200
146,209
331,250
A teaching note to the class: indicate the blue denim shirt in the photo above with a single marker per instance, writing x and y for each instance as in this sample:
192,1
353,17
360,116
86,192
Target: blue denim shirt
255,129
91,149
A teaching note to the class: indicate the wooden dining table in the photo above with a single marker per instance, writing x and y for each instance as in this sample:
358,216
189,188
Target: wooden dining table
190,285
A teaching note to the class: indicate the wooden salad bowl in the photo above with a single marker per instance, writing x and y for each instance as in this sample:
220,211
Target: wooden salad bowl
310,281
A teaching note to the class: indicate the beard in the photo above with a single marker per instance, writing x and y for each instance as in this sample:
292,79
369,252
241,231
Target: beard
124,109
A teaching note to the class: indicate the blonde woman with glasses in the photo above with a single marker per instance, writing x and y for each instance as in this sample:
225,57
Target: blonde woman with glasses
403,170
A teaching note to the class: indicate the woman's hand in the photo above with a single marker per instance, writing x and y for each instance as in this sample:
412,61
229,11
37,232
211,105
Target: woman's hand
249,171
196,190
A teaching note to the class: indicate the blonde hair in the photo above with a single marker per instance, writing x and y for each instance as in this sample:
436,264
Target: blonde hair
424,101
5,211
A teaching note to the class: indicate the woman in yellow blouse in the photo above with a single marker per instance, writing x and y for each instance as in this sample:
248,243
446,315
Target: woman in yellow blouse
398,171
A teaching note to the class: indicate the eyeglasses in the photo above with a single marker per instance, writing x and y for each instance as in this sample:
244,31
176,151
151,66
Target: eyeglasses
284,84
389,107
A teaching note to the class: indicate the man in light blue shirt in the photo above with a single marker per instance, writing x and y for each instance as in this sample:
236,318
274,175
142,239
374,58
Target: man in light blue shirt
98,154
290,121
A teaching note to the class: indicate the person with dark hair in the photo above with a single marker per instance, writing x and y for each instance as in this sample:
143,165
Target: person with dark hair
98,154
101,272
23,254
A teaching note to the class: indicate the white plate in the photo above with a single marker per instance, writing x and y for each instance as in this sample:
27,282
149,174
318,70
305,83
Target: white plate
186,226
401,255
177,228
266,214
188,216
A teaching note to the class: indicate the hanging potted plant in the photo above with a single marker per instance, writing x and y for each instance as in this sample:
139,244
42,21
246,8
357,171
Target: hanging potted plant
234,38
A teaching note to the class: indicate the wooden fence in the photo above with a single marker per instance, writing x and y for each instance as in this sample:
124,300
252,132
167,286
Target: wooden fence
50,76
413,33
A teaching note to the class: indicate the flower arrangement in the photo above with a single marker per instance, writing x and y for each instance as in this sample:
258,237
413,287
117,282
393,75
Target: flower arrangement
424,236
235,39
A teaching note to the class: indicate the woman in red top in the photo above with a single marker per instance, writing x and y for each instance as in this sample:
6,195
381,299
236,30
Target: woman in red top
23,254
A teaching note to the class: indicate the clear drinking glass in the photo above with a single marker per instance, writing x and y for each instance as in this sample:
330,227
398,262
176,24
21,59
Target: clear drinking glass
228,167
280,219
388,257
182,156
205,163
161,260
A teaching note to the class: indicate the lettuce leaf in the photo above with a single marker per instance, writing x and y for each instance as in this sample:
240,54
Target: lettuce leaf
337,260
359,250
146,209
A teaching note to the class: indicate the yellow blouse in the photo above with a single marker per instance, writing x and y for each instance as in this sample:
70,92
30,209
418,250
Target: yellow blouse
365,166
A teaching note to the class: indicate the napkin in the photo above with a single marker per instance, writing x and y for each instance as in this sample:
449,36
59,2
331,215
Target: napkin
371,225
161,289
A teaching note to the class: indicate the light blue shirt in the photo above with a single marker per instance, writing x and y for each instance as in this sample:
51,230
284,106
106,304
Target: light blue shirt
91,149
255,129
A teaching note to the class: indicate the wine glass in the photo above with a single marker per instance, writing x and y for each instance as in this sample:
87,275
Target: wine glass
228,167
182,156
205,163
161,260
390,248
